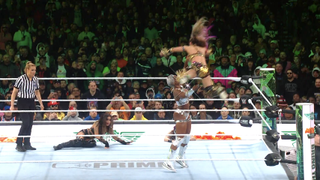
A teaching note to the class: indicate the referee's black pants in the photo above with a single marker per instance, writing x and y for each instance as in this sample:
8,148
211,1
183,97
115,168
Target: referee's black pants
27,120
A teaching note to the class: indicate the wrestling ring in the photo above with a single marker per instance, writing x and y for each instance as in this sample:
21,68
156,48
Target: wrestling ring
207,158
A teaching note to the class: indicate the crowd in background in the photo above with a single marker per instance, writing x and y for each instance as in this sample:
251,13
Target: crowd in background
98,38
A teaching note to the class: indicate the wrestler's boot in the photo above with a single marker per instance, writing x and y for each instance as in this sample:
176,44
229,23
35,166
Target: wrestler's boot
168,164
182,150
71,143
182,76
214,91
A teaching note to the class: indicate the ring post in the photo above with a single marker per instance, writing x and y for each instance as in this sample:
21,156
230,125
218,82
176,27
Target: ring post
305,141
268,86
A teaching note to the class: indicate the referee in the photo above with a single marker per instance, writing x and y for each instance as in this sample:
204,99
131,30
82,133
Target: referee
26,88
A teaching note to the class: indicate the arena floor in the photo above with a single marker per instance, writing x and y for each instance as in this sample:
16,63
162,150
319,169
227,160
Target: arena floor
198,170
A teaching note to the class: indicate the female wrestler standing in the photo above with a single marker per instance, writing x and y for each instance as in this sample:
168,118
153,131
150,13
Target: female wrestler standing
102,126
183,122
196,55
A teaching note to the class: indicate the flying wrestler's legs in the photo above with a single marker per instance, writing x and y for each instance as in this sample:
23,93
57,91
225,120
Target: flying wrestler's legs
202,71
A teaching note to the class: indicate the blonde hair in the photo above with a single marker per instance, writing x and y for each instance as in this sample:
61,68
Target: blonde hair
199,34
29,64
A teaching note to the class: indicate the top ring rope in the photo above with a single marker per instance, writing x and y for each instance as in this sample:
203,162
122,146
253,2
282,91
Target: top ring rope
85,100
132,110
124,78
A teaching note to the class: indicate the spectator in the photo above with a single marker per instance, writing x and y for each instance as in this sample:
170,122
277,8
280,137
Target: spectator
156,106
115,116
161,115
151,58
72,115
257,104
49,61
212,105
202,114
91,96
54,105
62,70
178,64
225,70
296,99
143,67
245,112
8,69
130,69
280,78
224,114
262,59
44,92
86,34
76,92
242,91
5,87
259,27
119,104
22,37
138,114
42,69
51,116
151,32
8,116
161,90
194,114
291,87
93,115
236,114
159,70
288,116
78,71
5,36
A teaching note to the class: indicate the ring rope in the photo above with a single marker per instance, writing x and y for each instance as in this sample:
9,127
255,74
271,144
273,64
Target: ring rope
150,121
124,160
85,100
132,110
133,134
124,78
262,118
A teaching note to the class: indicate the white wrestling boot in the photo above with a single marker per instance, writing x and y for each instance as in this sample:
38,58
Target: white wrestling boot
223,93
168,165
182,163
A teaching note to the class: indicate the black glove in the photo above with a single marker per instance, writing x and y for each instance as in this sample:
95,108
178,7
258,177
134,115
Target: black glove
122,142
106,144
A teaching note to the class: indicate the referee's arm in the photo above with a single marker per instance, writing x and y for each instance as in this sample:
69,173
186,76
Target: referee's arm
13,97
38,95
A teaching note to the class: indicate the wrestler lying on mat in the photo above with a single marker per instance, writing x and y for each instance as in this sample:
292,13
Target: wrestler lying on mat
102,126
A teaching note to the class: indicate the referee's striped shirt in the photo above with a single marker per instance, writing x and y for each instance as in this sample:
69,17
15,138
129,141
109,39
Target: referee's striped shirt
26,87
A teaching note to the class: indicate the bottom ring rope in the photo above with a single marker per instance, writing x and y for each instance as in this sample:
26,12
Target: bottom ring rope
124,160
130,134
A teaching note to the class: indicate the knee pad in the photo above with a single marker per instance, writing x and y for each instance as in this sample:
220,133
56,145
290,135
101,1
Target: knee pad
178,141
